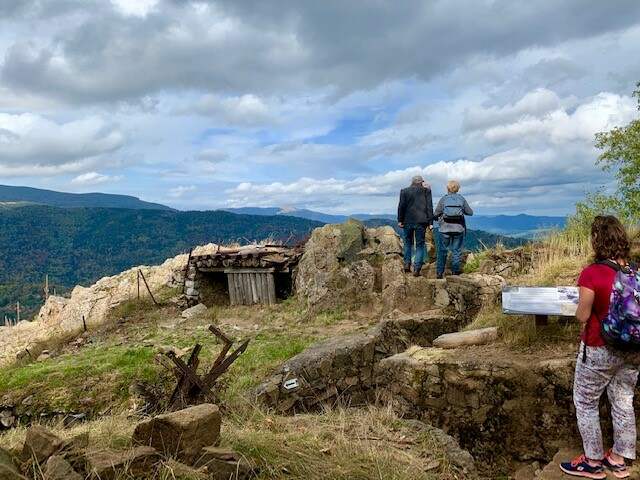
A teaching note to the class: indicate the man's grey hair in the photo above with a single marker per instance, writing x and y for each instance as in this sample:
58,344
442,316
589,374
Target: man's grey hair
417,180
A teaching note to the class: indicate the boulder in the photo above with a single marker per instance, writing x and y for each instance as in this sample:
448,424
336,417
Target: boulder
223,464
181,434
470,337
329,249
59,469
110,465
40,444
8,467
196,311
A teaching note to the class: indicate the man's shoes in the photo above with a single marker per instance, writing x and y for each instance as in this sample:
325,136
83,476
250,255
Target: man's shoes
440,276
407,268
416,272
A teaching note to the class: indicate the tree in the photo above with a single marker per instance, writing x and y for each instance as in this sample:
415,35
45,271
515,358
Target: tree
621,152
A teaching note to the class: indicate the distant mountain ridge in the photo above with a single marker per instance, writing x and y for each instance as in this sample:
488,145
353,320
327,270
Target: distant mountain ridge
9,194
523,225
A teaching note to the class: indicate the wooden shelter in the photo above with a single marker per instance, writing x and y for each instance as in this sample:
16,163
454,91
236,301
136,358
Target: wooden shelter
251,272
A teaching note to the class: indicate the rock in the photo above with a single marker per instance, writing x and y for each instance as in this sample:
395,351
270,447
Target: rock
137,462
8,418
223,464
470,337
196,311
8,467
181,434
384,240
40,444
28,401
59,469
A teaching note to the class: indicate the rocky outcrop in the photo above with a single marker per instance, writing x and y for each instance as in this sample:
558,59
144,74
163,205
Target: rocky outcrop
465,295
61,319
324,268
507,263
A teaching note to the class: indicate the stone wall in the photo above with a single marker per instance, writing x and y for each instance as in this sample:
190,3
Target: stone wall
342,369
465,295
482,397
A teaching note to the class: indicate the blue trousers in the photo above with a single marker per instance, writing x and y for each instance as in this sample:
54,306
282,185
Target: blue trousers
414,232
453,243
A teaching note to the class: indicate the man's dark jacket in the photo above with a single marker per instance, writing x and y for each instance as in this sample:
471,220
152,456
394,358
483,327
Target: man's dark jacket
416,205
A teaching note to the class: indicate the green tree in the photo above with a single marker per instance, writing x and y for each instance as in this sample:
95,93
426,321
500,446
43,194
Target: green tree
621,153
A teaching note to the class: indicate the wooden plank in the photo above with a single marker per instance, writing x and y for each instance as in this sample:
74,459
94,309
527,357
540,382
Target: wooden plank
246,282
264,288
254,288
232,290
272,289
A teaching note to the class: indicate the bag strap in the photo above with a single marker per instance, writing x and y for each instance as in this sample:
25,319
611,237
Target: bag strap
617,267
614,265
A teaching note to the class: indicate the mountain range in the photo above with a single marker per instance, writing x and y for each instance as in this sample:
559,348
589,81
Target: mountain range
521,226
13,194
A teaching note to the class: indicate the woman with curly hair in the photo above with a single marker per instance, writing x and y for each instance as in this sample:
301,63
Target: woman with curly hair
601,367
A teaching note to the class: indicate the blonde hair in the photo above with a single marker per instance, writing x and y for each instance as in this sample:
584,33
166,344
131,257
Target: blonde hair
453,186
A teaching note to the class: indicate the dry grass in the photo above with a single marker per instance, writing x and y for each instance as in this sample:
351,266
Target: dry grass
360,444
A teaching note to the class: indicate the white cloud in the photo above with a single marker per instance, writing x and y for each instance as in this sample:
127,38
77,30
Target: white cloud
94,178
138,8
179,191
602,112
29,139
245,110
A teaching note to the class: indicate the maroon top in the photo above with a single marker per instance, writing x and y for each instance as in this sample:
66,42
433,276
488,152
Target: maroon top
598,278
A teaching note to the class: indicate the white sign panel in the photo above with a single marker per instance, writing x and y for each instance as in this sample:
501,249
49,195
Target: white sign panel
562,301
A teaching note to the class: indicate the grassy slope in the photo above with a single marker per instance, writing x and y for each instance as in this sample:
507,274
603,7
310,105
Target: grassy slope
341,444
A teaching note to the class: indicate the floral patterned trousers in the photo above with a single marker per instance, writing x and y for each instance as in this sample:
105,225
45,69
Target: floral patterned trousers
605,369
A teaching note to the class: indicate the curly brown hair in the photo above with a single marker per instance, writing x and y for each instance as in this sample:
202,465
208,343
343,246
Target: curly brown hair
609,239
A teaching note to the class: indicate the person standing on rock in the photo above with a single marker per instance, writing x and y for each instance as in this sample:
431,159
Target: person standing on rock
601,366
415,216
452,226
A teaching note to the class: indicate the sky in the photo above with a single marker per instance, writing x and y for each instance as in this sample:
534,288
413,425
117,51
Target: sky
331,105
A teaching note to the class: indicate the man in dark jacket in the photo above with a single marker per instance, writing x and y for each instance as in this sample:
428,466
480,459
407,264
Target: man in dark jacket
415,215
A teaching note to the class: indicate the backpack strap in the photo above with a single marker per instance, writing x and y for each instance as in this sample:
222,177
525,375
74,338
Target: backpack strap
614,265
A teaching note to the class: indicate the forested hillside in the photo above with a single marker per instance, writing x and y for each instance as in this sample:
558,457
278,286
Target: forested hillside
81,245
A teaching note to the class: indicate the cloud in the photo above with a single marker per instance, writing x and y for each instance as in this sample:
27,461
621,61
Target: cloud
178,192
28,139
543,122
240,48
32,140
94,178
243,111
